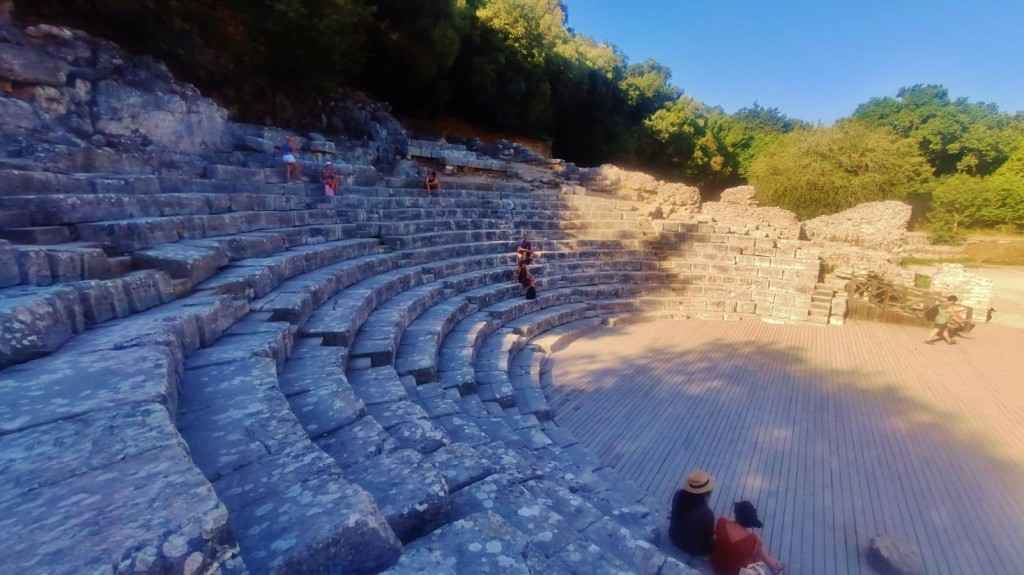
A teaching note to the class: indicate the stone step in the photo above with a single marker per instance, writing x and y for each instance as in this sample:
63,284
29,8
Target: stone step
820,308
39,235
37,321
113,388
386,399
14,218
112,483
290,506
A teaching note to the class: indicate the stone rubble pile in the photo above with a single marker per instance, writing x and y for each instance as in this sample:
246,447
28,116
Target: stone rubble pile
874,225
665,200
738,206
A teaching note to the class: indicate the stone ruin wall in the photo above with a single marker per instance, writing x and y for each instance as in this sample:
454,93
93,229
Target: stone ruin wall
661,200
869,238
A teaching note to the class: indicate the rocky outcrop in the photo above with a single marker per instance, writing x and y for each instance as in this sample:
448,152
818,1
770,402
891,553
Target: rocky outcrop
67,89
359,118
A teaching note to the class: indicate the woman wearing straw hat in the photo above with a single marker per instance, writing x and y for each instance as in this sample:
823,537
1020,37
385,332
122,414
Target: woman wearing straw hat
737,548
692,524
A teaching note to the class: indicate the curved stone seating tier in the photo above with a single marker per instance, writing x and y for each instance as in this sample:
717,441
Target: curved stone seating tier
342,388
96,475
290,506
37,321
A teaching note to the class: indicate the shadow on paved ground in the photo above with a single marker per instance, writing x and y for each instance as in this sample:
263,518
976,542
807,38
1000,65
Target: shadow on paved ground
830,452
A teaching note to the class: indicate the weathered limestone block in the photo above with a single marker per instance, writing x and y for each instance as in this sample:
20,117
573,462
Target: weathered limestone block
25,65
183,260
411,493
66,385
16,116
167,119
9,274
481,543
35,322
112,490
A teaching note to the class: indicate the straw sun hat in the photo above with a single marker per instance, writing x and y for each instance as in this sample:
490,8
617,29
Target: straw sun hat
699,482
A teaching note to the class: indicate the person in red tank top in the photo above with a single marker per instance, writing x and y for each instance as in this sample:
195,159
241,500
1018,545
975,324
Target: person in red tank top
736,546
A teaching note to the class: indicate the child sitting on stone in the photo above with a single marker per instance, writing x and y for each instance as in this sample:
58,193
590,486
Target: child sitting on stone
329,179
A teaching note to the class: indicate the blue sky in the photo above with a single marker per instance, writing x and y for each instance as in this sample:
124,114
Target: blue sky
817,60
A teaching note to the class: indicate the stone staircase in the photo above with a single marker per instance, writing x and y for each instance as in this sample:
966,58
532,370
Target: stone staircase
225,373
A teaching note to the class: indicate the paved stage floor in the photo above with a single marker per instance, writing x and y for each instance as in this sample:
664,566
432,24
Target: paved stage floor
836,434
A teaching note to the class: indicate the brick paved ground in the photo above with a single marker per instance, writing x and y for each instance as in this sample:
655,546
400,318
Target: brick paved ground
836,434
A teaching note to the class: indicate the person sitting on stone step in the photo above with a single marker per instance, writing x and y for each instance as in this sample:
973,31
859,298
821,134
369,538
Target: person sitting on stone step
432,183
525,250
692,523
525,279
329,179
737,547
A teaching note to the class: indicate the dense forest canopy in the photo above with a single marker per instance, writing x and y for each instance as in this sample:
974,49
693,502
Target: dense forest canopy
515,66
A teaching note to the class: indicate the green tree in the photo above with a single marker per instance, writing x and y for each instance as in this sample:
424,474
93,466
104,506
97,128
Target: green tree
955,136
830,169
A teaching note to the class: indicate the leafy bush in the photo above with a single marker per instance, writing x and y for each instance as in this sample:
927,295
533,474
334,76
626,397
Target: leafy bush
829,169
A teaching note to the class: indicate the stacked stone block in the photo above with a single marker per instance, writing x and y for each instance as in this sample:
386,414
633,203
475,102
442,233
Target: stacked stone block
729,272
453,155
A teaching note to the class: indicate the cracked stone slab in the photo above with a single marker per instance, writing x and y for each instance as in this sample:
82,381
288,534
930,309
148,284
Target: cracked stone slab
36,322
461,464
421,435
411,492
68,385
357,442
233,415
481,544
463,430
643,557
377,385
295,512
546,531
127,498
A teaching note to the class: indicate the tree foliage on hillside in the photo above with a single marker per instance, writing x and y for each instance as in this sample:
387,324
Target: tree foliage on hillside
955,136
514,66
829,169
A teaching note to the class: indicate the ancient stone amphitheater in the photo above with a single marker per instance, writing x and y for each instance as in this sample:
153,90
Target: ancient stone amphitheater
207,370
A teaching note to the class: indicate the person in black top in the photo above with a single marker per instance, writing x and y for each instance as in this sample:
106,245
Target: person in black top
692,524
